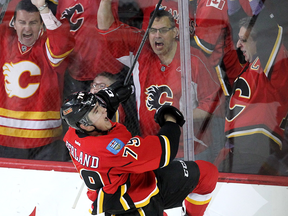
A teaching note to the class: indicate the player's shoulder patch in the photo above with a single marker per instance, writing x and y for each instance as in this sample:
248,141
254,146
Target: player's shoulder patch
219,4
115,146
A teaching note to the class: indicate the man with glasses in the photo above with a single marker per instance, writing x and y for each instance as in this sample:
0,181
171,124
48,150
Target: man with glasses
101,81
157,74
257,112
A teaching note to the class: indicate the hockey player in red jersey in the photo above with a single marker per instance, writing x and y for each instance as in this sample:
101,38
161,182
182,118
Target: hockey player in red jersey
33,65
128,175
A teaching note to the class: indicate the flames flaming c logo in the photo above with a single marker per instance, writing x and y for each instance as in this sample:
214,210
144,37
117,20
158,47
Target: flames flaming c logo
154,94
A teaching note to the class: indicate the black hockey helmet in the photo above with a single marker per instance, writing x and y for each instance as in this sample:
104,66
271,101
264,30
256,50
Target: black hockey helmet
76,107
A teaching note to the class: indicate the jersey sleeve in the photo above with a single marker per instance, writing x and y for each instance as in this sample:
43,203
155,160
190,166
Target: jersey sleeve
169,135
59,44
152,152
210,20
208,86
246,6
268,42
122,39
78,12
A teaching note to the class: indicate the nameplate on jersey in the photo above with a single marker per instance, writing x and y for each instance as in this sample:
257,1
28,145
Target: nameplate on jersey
115,146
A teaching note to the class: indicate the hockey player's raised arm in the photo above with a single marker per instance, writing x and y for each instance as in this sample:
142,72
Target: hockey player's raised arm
105,16
169,136
169,118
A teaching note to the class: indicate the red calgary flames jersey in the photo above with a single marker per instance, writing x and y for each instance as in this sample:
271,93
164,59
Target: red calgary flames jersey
210,32
158,84
259,103
90,55
117,166
31,87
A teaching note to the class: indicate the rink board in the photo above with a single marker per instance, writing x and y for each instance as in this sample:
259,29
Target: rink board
37,188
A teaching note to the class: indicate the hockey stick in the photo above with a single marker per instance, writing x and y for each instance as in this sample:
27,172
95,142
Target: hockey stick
4,9
129,73
78,196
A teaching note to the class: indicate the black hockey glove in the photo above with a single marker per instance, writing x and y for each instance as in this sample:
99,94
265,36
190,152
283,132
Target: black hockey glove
167,109
122,92
113,95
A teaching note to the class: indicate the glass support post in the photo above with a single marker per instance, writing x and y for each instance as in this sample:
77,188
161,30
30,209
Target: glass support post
186,79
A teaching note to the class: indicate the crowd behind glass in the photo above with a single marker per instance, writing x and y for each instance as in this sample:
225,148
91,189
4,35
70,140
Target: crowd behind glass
239,90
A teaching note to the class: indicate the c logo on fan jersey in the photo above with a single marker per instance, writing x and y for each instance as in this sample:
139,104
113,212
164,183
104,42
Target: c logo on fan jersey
75,22
244,92
154,94
12,74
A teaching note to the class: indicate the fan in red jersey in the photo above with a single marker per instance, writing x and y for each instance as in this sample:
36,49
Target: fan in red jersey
32,73
210,32
157,74
89,57
257,112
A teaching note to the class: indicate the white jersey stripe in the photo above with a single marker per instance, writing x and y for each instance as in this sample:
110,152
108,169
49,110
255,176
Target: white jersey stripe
54,61
254,131
274,51
199,199
29,124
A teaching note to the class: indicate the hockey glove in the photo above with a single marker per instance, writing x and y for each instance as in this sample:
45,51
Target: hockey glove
167,109
122,92
113,95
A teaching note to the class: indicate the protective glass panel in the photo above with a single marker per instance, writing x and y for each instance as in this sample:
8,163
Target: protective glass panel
226,73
